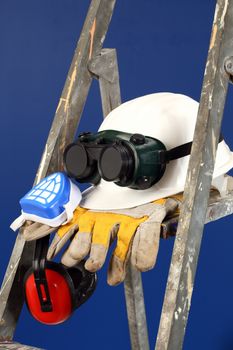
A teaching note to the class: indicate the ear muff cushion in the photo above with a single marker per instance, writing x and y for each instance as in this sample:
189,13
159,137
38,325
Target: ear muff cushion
60,293
84,283
75,275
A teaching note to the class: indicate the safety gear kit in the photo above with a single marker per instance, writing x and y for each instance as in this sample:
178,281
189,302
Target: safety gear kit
137,164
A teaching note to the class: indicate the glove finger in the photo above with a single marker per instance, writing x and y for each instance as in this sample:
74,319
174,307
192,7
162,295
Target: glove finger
68,261
121,254
37,230
145,245
78,249
81,243
146,241
65,232
59,241
103,234
117,268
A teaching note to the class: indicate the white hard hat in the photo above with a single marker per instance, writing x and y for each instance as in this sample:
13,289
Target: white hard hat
170,118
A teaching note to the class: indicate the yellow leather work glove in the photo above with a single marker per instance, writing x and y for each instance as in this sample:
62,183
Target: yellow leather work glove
136,230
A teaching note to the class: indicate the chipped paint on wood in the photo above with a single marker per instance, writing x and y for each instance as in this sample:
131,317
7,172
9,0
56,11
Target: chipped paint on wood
92,33
189,285
213,36
61,100
214,146
42,163
222,20
72,79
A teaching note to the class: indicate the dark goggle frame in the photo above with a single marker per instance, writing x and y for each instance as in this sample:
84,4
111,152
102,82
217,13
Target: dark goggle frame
129,160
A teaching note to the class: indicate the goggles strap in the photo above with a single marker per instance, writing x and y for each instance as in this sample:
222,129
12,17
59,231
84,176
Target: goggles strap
179,151
182,150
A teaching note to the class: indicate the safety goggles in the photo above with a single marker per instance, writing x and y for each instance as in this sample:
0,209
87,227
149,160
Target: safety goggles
129,160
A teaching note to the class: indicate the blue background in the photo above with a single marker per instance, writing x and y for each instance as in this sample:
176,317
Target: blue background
162,46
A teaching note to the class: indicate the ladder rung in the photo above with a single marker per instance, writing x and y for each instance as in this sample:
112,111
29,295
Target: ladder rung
218,208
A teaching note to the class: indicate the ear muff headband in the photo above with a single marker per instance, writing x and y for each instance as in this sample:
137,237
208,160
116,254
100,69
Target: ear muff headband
39,264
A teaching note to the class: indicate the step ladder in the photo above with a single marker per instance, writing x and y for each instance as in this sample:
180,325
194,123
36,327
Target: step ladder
92,61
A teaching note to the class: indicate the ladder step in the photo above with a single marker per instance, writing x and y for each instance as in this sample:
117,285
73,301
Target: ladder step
15,345
218,208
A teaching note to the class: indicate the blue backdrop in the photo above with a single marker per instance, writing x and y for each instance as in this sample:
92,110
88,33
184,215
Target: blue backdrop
162,46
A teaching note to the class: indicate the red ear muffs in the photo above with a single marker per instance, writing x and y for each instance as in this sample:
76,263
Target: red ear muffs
53,291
